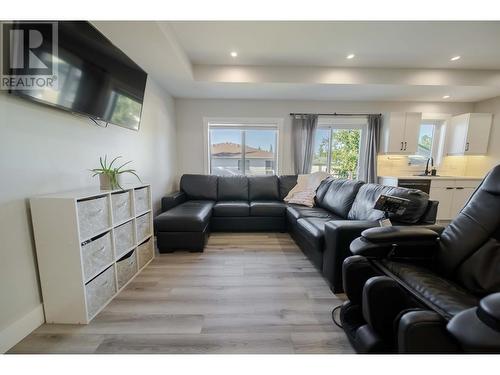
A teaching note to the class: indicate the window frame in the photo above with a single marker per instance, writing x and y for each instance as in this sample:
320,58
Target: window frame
438,140
339,122
244,123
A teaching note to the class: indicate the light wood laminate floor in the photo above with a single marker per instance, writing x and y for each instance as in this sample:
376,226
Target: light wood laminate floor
247,293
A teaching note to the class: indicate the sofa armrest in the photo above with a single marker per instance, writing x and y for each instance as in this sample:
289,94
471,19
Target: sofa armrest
434,227
422,331
396,243
478,329
398,234
338,236
171,200
430,214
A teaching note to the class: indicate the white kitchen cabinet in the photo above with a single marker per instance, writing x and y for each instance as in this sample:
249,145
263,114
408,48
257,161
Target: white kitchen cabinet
452,196
444,196
393,133
412,130
400,133
469,133
460,197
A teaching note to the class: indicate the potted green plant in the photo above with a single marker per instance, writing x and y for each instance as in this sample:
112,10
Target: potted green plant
109,176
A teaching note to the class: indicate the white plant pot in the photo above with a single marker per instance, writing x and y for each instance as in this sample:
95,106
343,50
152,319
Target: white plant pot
105,182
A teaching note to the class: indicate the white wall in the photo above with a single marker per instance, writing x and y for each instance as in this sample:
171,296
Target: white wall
483,164
190,114
45,150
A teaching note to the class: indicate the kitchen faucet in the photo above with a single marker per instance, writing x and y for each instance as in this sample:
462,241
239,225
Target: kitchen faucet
427,171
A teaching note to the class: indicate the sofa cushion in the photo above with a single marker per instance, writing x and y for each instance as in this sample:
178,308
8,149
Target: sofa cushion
264,188
190,216
340,196
231,208
233,188
199,187
439,293
296,212
286,183
417,208
322,189
312,229
267,208
362,208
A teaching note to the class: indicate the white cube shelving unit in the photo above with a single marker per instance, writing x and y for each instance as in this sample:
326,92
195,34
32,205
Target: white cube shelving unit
90,244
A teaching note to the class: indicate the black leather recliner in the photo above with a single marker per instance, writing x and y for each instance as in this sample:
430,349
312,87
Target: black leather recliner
416,290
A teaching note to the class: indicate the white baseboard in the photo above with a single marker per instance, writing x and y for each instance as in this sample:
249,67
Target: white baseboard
12,334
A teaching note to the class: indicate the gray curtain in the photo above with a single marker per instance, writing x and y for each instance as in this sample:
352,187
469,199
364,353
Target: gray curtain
368,163
303,132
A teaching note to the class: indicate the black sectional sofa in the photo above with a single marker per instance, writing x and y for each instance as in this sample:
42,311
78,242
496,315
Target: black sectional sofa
344,208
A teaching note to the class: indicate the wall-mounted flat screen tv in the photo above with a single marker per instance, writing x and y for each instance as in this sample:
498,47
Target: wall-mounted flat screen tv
94,77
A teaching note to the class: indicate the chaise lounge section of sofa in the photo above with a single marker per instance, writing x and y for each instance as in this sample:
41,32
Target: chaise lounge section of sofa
343,209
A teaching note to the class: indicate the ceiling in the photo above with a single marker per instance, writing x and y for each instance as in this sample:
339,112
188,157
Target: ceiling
375,44
401,61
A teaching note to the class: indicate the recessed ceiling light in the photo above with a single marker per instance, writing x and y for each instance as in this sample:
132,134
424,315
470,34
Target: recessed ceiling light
351,56
234,54
446,97
455,58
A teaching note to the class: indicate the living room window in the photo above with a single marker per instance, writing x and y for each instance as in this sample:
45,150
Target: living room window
241,149
337,146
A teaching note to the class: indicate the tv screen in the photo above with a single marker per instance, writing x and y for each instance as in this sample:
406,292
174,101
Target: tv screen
94,78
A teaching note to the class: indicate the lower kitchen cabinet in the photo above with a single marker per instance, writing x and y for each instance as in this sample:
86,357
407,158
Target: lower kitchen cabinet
452,196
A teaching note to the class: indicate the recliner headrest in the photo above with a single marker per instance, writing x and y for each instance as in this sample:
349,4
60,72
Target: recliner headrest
491,183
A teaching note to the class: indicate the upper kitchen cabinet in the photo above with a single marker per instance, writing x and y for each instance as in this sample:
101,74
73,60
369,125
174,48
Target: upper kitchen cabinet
468,134
400,133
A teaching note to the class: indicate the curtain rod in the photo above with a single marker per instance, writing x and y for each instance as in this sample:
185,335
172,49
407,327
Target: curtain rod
335,114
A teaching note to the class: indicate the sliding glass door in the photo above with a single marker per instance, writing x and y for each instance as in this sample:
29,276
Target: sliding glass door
337,147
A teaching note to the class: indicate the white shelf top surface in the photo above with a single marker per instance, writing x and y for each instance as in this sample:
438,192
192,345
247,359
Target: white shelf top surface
89,192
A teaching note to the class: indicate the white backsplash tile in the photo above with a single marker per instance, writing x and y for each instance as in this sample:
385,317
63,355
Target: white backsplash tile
397,165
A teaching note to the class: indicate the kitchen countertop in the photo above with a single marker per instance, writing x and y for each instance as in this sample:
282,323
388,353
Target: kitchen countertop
433,177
